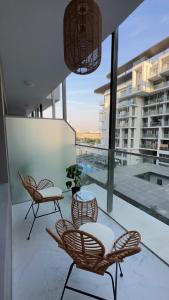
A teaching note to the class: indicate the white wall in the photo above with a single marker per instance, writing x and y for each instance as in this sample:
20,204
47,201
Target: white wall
41,148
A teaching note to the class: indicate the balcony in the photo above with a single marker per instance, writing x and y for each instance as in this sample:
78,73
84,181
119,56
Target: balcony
151,112
143,209
154,74
164,147
165,69
126,103
155,123
123,115
123,124
166,135
50,259
149,146
166,123
150,136
125,136
161,86
142,89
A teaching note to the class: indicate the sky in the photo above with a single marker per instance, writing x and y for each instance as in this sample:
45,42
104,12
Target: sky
147,25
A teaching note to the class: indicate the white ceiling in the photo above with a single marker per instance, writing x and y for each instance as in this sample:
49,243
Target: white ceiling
31,45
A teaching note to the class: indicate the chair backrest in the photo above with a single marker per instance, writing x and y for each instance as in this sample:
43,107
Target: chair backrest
35,195
30,185
27,180
86,250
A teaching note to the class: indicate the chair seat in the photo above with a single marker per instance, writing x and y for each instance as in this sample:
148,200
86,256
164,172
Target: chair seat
51,192
103,233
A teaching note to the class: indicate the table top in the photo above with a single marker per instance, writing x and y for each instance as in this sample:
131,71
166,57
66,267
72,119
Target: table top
84,196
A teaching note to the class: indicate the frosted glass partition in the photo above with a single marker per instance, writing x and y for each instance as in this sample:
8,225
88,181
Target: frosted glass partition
41,148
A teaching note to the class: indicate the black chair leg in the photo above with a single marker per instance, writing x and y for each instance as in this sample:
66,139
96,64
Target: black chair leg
59,209
112,280
35,215
55,207
70,270
121,273
28,211
114,285
116,273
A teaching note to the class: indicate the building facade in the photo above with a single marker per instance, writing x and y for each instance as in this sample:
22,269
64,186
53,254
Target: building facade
142,115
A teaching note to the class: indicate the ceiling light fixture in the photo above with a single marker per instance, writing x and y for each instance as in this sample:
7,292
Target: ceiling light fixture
82,36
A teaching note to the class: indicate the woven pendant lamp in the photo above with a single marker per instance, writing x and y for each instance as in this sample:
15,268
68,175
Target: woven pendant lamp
82,36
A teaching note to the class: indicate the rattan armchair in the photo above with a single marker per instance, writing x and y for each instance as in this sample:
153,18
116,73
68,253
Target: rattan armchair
41,192
89,253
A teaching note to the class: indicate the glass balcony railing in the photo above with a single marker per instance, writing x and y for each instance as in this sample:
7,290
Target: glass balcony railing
165,67
142,86
150,135
155,123
148,146
166,135
141,191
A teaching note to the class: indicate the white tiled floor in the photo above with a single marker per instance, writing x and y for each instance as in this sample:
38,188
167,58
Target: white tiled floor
40,267
155,234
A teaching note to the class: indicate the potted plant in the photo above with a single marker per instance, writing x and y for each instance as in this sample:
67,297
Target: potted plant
74,173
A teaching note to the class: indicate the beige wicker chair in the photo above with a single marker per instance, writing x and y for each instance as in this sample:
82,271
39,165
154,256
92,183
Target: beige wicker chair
88,253
41,192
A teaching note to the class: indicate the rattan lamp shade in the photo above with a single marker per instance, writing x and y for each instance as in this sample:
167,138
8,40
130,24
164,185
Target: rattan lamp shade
82,36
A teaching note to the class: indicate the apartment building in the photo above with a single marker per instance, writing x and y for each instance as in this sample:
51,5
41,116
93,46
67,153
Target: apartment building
142,115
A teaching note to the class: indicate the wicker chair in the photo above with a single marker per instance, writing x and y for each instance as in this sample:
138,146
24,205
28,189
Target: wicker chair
89,253
41,192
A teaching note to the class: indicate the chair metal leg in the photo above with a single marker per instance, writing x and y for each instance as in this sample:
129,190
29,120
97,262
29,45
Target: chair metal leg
121,273
55,207
59,209
35,215
83,292
116,273
70,270
28,211
112,282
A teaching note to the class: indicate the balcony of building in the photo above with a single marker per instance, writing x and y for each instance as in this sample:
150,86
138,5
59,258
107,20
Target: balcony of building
166,122
165,133
155,122
154,74
44,148
142,88
122,113
153,111
165,65
125,103
150,145
164,145
155,100
150,134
